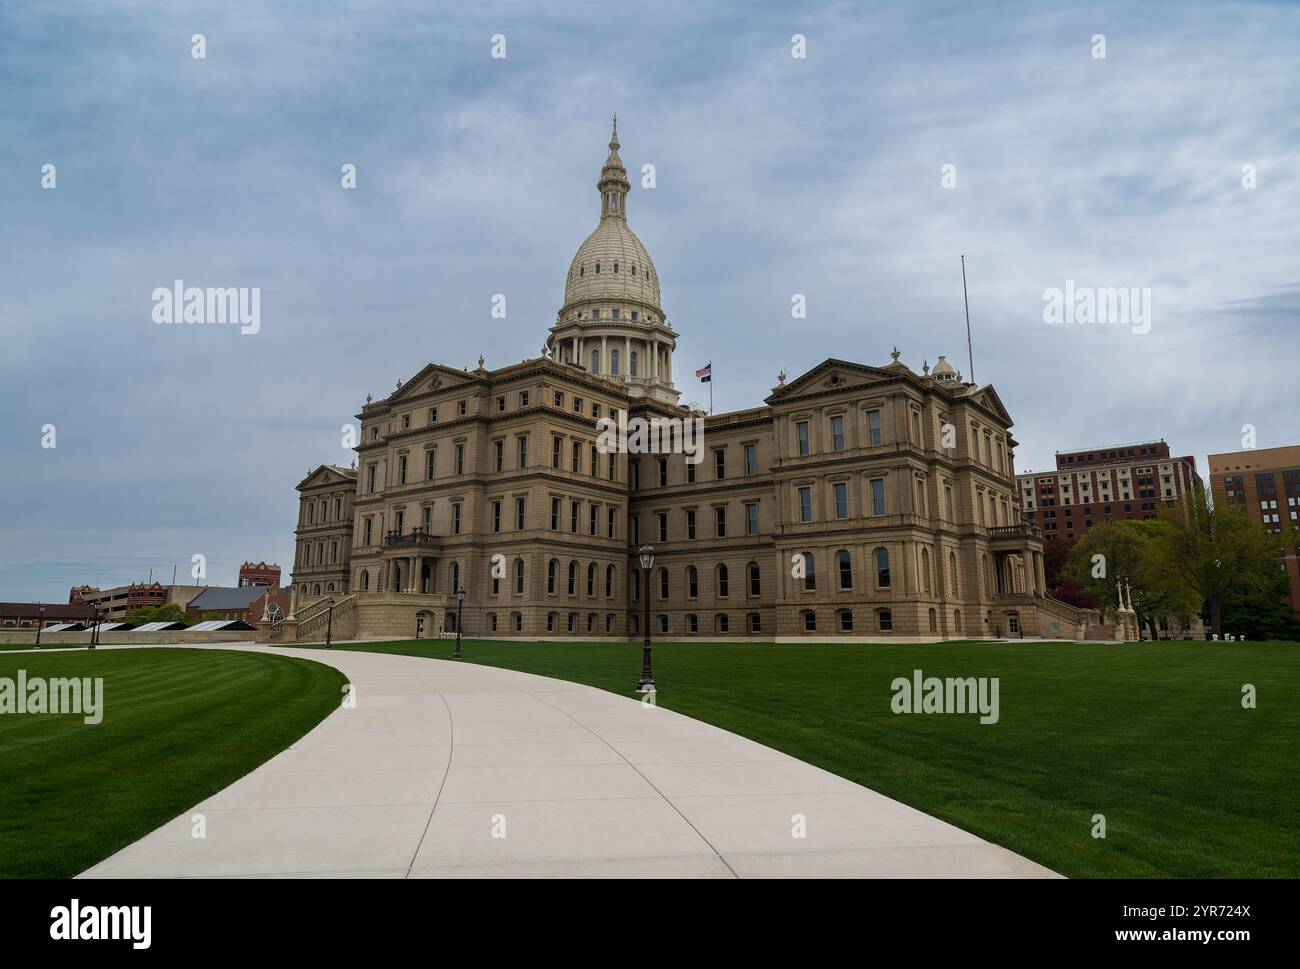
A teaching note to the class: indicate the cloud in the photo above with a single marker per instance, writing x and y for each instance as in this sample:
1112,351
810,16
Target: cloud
477,176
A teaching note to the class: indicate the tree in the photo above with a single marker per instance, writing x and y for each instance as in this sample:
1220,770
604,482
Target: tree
1120,553
170,612
1216,554
1056,552
1262,614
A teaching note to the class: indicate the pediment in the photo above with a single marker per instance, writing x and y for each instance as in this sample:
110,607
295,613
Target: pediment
832,374
328,474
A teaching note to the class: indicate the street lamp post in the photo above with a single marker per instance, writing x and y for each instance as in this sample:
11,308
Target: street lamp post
460,602
329,622
647,682
40,623
94,630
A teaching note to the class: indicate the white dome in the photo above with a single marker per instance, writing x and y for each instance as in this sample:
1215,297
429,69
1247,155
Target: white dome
612,264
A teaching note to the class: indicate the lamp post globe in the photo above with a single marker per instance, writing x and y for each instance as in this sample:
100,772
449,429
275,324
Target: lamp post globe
460,602
646,684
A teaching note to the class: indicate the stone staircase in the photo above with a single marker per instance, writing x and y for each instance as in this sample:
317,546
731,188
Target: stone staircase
313,620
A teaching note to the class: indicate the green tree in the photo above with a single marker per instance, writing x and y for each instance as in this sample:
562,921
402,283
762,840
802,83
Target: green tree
170,612
1263,613
1214,553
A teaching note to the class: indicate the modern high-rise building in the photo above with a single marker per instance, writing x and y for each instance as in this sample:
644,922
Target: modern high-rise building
1265,483
1096,485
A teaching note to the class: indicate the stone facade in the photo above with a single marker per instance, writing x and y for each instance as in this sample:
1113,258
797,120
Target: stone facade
864,502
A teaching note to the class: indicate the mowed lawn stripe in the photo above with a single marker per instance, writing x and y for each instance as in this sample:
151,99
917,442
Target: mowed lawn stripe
1153,737
178,726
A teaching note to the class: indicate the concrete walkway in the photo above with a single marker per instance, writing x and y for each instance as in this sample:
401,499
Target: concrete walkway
449,769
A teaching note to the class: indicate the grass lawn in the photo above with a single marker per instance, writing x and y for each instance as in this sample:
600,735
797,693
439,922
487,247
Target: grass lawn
178,725
1154,737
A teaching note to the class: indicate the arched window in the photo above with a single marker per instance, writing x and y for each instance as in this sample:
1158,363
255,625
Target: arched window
615,264
846,620
595,361
925,570
884,620
988,577
755,585
934,621
365,579
552,618
552,573
631,364
722,582
609,583
956,620
692,623
809,571
613,362
692,583
597,267
304,590
317,589
952,572
455,577
591,582
573,578
519,576
329,587
663,583
882,568
845,562
809,621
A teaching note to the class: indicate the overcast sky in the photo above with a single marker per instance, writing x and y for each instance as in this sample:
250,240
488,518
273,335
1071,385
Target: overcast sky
776,176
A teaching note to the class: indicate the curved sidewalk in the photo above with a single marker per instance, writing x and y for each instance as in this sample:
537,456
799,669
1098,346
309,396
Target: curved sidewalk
447,769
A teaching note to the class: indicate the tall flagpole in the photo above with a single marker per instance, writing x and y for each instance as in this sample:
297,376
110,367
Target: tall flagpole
710,388
970,354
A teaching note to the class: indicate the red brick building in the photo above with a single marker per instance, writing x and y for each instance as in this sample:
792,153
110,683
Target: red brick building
259,574
1096,485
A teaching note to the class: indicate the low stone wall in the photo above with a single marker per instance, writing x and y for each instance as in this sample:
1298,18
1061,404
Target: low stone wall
178,637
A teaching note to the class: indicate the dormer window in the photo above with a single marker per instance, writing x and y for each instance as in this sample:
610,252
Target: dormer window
582,270
614,312
595,314
634,316
598,267
615,267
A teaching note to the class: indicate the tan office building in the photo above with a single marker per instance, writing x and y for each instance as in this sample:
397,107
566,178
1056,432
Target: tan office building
857,501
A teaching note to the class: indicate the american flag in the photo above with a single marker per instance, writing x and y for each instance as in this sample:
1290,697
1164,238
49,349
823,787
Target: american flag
705,373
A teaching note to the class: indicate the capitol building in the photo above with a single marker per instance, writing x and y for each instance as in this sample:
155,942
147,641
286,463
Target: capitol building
856,502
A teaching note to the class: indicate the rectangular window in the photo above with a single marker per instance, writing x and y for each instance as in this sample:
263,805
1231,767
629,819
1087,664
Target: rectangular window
663,472
595,462
557,451
428,463
500,448
574,508
751,459
805,445
663,526
555,514
873,427
501,403
455,517
594,518
877,496
690,523
751,518
720,463
805,504
837,432
690,473
496,516
613,466
841,499
460,458
523,398
369,522
559,399
519,513
576,463
433,415
523,451
720,521
401,469
577,405
611,524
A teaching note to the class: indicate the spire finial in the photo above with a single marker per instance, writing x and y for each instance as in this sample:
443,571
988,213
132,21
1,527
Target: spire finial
614,136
